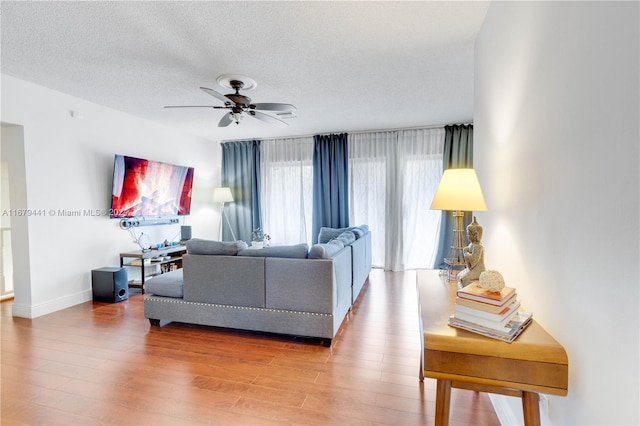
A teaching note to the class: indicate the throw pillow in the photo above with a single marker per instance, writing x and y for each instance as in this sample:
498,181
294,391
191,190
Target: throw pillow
328,234
347,238
325,250
298,251
225,248
356,231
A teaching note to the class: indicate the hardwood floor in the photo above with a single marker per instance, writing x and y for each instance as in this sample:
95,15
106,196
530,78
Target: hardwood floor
100,363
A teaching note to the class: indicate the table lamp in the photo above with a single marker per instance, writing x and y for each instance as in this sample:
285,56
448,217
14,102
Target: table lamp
224,195
459,191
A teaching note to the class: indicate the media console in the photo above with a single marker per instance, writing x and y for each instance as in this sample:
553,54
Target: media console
152,262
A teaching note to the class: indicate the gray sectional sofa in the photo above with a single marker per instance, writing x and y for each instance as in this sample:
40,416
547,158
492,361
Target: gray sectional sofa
290,290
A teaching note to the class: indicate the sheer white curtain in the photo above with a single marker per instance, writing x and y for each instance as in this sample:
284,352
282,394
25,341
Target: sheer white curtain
371,156
392,177
286,189
422,151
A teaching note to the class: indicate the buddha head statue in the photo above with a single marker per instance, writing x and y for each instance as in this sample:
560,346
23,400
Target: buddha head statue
474,231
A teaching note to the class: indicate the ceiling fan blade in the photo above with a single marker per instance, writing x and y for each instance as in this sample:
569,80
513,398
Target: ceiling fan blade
225,120
268,119
273,107
215,94
195,106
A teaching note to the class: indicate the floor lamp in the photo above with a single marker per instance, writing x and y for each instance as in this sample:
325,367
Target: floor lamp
459,191
223,195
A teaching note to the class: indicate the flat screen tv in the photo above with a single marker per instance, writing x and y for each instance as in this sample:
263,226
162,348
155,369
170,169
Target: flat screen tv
149,188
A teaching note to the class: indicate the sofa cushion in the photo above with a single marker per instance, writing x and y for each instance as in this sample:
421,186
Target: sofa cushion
169,284
199,246
298,251
325,250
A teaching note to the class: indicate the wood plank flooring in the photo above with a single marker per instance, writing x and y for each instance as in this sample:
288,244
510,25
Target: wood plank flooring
102,364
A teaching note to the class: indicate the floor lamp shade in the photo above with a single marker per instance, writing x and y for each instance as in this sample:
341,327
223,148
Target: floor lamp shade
222,195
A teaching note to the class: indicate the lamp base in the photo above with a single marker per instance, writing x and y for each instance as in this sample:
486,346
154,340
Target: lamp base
452,269
229,224
455,261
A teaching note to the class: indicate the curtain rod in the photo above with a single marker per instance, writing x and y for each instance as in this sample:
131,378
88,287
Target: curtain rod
351,133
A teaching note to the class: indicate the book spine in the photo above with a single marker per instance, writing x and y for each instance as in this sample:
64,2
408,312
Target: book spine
494,325
474,313
483,306
480,299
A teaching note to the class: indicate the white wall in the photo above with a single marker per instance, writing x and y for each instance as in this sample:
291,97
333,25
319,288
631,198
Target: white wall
556,148
68,166
14,197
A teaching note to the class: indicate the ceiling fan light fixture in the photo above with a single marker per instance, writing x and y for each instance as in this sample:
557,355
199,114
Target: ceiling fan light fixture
236,117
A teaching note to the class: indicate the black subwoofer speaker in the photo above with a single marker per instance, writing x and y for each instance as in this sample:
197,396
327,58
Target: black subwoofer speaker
110,284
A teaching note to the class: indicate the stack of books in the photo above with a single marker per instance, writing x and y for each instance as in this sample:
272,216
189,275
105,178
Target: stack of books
492,314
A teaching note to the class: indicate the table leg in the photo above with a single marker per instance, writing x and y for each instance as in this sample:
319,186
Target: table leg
142,277
443,398
421,336
531,408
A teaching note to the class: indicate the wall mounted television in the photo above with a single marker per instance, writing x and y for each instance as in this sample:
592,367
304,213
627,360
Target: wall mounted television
144,188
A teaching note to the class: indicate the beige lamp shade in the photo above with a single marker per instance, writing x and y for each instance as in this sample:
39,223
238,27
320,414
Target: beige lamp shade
222,195
459,190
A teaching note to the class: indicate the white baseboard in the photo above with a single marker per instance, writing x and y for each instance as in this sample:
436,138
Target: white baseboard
505,411
509,410
34,311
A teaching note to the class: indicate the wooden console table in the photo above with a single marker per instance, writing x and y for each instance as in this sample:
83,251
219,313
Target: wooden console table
175,253
535,362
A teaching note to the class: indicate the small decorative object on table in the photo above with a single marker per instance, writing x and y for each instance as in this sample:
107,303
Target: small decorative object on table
473,255
492,280
259,239
144,242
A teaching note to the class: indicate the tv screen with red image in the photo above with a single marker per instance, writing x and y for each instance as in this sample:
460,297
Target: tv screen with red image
149,188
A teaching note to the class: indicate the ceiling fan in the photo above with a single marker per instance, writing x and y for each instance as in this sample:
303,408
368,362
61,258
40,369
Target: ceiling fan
239,104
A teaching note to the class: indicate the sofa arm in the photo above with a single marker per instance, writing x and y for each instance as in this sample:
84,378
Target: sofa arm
361,251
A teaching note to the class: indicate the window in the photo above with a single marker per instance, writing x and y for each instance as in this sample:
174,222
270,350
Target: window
392,179
286,189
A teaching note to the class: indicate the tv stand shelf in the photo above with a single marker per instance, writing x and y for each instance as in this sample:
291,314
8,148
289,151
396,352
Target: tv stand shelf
143,259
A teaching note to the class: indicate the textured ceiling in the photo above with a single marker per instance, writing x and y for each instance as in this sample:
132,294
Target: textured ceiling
346,66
